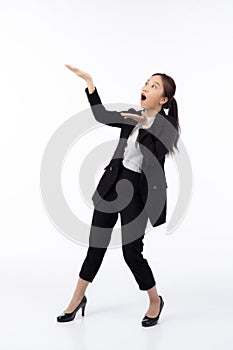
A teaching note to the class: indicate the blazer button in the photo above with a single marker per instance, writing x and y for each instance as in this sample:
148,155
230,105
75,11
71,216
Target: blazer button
110,168
154,187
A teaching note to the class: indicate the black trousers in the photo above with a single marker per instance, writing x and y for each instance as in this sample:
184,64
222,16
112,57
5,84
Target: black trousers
133,224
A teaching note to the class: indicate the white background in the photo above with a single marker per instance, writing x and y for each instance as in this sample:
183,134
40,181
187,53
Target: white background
121,44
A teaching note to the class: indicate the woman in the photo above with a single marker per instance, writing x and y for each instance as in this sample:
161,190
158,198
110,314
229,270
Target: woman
147,136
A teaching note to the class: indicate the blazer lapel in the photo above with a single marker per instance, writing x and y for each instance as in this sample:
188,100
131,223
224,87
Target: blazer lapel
155,126
127,129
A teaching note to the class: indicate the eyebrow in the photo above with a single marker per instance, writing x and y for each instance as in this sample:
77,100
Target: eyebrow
154,82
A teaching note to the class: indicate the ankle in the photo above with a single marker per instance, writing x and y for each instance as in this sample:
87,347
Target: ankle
79,297
155,300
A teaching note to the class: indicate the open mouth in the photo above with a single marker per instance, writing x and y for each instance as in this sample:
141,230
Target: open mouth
143,97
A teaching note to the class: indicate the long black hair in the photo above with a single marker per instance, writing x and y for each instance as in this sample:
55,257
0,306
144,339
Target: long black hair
169,89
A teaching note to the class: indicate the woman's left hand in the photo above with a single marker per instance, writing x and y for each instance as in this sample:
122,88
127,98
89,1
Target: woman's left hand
142,119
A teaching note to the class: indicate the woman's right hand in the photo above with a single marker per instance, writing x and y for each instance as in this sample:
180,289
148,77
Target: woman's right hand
87,77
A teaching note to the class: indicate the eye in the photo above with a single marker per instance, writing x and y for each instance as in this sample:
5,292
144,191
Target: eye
154,85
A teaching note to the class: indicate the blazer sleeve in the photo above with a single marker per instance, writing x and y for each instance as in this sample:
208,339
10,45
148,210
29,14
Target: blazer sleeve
160,144
110,118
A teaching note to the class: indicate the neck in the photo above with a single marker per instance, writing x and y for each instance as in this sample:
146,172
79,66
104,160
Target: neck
150,113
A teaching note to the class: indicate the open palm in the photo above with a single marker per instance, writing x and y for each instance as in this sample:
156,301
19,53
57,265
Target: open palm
138,118
80,73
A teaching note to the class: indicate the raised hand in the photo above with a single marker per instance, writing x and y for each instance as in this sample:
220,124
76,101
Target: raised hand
80,73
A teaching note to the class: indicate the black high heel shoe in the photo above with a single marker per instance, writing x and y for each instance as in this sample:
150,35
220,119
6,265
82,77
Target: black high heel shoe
151,321
66,317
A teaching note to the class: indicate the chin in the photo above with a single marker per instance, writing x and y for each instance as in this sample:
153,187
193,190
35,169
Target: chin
143,105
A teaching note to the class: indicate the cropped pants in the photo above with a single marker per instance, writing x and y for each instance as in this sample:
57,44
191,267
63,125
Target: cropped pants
133,224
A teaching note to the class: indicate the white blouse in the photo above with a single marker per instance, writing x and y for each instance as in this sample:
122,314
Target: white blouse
132,158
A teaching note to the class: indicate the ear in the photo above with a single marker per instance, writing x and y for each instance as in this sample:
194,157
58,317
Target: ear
163,100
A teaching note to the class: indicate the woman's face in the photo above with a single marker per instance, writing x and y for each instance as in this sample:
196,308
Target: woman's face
152,92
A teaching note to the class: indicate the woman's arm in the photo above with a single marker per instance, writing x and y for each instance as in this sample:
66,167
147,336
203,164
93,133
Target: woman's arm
111,118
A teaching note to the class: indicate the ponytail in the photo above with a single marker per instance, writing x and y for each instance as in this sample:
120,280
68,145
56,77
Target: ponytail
173,108
171,104
169,88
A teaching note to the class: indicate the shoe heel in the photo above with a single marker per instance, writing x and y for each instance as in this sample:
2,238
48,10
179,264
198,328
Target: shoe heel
83,309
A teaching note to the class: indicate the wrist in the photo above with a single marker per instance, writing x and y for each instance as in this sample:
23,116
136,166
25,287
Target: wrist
90,85
89,80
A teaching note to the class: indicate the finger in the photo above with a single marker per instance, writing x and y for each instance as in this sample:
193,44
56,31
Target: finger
69,67
131,115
